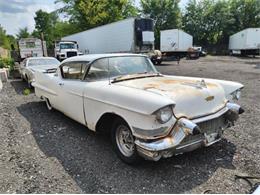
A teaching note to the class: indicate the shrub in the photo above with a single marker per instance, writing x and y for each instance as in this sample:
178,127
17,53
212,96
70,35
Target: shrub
26,91
7,63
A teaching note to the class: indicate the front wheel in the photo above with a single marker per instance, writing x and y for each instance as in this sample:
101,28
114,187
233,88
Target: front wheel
124,142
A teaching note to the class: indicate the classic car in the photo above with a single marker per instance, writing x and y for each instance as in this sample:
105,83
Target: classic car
148,114
30,65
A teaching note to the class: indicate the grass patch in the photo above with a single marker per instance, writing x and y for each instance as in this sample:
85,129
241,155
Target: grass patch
26,91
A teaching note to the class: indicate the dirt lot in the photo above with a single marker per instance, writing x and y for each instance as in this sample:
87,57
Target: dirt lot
46,152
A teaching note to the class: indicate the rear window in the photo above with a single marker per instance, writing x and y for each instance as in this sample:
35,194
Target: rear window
39,62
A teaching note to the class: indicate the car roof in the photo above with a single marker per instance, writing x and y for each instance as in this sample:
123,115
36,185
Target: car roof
92,57
40,58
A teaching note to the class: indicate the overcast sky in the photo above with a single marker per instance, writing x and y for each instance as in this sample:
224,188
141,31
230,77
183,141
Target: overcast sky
15,14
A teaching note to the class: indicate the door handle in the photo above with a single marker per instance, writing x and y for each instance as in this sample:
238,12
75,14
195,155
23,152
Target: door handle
61,84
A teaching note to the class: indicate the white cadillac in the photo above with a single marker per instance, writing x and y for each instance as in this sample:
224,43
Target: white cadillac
30,65
148,114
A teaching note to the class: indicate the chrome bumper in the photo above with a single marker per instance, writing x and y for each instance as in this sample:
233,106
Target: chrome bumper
187,134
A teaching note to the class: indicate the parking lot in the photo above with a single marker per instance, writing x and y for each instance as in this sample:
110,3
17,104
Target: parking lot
44,151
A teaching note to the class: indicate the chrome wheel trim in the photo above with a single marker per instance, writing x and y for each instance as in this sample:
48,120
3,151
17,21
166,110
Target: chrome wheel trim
125,140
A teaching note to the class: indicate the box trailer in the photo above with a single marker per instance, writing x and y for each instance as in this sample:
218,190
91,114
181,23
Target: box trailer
134,35
245,42
175,42
31,47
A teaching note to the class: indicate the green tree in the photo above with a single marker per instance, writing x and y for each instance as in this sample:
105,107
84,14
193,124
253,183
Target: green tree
45,24
211,22
3,38
246,14
23,33
165,13
92,13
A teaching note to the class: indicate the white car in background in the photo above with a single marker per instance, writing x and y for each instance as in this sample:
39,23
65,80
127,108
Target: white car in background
148,114
30,65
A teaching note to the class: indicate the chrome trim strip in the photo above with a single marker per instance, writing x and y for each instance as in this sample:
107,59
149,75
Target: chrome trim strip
190,144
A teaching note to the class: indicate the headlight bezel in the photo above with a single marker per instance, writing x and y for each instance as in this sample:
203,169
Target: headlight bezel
165,114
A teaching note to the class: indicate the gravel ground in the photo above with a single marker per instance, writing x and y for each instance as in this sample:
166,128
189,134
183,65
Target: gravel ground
46,152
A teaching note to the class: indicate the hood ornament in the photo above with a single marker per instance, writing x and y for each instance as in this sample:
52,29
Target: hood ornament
201,84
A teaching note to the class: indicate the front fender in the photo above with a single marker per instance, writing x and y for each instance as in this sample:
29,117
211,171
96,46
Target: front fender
228,86
134,105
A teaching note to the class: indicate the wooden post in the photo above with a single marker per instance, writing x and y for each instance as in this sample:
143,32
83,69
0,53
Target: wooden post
42,39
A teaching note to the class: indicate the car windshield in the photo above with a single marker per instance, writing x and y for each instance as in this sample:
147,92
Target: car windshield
67,46
121,68
42,62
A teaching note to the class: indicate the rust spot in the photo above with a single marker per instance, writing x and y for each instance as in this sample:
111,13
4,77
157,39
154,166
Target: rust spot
152,85
211,85
209,98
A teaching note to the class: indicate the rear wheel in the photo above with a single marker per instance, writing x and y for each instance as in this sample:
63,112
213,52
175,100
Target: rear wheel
29,84
124,142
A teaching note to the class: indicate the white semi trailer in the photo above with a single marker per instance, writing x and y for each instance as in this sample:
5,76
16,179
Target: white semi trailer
245,42
175,42
133,35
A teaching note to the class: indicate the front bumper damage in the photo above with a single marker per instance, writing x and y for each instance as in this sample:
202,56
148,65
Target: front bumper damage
188,135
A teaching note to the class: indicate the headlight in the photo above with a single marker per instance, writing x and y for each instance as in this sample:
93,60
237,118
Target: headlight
164,114
236,94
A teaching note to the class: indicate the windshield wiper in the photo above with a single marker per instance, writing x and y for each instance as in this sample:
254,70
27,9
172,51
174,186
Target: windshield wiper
135,76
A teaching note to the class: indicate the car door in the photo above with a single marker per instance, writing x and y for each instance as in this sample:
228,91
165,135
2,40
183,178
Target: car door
97,78
70,90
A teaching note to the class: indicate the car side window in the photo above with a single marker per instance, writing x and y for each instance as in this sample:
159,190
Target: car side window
74,70
98,70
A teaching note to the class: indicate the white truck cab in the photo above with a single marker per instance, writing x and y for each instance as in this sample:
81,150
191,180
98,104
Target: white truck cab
66,49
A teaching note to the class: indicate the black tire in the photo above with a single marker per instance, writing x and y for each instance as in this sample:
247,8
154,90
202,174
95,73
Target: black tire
134,158
29,85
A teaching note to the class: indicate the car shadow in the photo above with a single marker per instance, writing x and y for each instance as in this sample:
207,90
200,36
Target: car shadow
89,159
19,86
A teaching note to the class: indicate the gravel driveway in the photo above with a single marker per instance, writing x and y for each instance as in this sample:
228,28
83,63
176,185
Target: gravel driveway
46,152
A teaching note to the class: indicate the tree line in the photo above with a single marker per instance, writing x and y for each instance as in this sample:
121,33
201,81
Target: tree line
210,22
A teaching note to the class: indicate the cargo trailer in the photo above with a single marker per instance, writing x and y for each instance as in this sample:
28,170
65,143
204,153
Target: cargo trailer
132,35
245,42
175,42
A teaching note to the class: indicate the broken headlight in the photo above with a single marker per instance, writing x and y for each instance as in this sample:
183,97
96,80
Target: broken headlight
236,94
164,114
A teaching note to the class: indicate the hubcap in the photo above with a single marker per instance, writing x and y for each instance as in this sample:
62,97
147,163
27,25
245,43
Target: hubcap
125,140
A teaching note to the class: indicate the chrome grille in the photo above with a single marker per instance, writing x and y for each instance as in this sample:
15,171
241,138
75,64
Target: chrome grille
214,125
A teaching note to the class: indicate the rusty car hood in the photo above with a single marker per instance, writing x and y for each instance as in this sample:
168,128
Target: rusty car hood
194,97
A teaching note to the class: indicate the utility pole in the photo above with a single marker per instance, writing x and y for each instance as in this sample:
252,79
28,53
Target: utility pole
42,41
